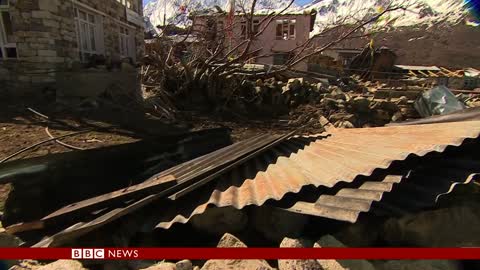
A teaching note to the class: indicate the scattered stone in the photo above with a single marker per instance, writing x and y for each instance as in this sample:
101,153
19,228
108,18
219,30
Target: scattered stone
381,115
230,241
337,93
276,224
297,264
63,265
184,265
323,86
330,241
26,265
236,264
340,103
448,227
329,103
385,105
342,116
295,84
219,220
161,266
403,100
419,264
359,105
343,124
397,117
325,123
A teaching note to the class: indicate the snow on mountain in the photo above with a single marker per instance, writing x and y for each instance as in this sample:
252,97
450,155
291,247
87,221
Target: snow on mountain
330,12
176,11
417,12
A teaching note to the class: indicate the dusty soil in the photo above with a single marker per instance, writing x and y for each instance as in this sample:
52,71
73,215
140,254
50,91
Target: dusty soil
304,119
20,128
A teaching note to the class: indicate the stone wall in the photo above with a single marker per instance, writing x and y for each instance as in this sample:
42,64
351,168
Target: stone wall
46,40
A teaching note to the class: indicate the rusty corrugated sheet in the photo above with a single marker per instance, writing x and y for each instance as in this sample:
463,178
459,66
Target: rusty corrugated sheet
322,160
395,195
325,160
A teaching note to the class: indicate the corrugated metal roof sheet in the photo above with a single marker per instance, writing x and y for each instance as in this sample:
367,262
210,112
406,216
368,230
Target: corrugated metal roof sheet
395,194
321,160
326,160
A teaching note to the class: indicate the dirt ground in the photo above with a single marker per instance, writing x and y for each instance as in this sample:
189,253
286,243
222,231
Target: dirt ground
20,128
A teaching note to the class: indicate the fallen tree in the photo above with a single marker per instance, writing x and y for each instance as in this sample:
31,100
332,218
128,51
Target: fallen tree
209,65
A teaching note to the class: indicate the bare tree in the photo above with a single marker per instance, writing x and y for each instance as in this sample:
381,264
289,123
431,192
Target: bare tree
209,58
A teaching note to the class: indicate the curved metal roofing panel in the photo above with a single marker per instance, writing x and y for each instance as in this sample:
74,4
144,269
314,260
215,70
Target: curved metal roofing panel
321,160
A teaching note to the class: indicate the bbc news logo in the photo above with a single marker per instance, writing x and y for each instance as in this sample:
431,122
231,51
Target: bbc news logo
86,253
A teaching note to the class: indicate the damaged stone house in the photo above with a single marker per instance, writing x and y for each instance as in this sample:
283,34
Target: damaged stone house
41,39
277,44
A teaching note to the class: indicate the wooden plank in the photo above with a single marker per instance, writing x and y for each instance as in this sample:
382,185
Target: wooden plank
432,74
122,194
423,73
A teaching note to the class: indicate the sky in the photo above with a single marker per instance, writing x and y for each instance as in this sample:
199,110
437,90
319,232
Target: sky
299,2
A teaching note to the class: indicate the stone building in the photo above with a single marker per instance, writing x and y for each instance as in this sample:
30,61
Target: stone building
280,40
41,39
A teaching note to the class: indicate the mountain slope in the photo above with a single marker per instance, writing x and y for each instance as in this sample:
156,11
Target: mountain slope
416,13
429,32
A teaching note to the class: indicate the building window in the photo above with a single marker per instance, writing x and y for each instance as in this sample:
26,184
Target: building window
87,25
123,37
281,58
126,43
8,48
254,28
285,29
243,29
127,3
